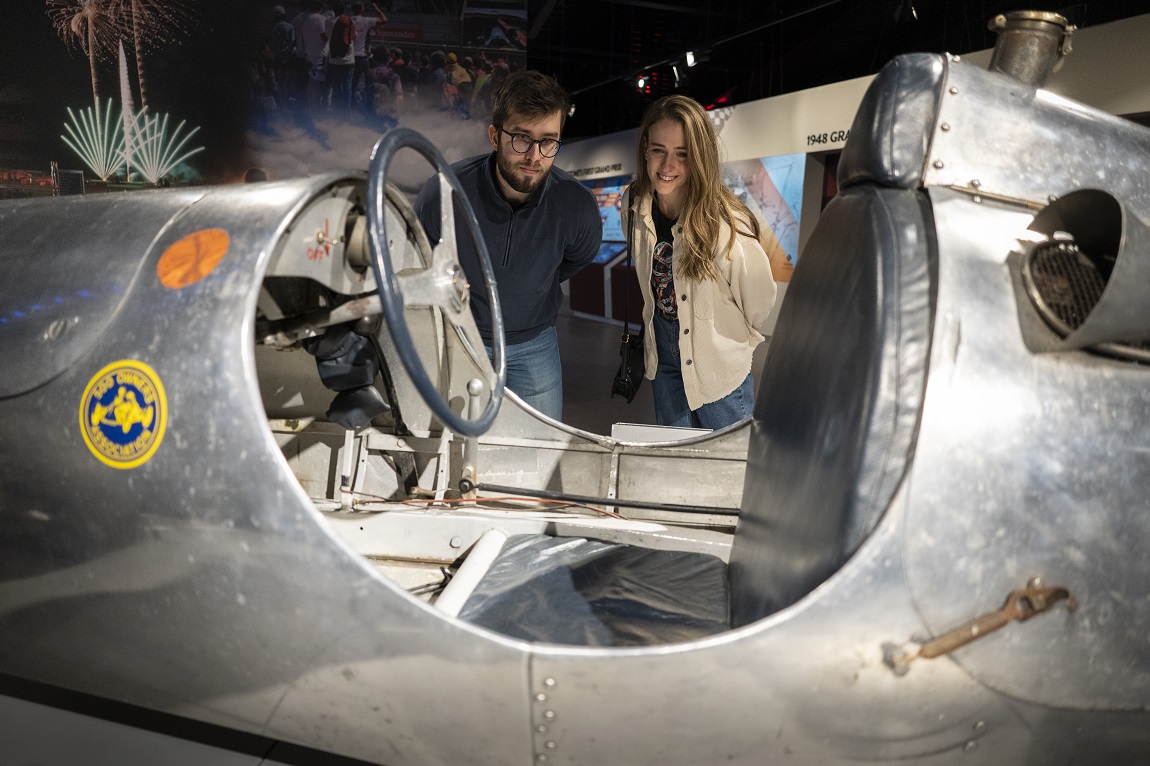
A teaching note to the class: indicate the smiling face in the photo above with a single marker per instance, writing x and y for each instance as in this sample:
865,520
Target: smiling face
667,166
521,174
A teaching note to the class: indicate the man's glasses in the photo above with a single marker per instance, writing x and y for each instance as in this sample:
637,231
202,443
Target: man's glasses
521,143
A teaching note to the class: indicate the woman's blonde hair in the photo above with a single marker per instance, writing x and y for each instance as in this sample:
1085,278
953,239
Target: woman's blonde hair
709,202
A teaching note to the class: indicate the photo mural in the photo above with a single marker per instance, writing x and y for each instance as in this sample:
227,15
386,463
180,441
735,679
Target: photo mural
143,93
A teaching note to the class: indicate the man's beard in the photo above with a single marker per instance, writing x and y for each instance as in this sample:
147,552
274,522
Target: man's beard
519,183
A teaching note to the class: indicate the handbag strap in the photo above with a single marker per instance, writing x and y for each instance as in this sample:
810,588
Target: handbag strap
631,258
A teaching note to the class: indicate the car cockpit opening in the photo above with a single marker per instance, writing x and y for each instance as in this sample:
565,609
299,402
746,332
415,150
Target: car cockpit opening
361,435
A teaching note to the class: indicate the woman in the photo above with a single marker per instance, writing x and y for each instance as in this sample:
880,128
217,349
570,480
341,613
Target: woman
706,279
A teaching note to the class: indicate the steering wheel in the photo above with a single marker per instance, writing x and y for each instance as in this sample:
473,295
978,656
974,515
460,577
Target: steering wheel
441,285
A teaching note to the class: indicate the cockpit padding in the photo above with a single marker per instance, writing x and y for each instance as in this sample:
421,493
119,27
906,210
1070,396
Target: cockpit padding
890,136
838,408
590,593
837,413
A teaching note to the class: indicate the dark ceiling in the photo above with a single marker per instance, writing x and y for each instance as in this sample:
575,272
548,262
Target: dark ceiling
757,48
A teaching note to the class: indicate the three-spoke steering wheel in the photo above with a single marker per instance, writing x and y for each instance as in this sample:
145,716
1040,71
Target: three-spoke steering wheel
441,285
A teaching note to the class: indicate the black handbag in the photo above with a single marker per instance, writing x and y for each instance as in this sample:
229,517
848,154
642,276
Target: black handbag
631,366
631,362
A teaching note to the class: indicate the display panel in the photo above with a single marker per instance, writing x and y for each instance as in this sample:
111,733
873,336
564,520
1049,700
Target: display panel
772,187
609,194
608,250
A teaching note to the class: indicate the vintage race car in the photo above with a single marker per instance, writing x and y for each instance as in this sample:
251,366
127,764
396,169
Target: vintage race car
924,548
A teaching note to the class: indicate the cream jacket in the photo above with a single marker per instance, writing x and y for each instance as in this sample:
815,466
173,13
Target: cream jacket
720,321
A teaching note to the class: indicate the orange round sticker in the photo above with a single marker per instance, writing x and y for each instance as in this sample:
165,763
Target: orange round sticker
190,259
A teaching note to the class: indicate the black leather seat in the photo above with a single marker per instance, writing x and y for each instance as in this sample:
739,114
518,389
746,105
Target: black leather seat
841,394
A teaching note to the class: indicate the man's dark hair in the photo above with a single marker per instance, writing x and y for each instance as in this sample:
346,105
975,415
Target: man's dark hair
529,94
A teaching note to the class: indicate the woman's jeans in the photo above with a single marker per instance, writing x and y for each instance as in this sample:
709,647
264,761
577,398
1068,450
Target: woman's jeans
671,408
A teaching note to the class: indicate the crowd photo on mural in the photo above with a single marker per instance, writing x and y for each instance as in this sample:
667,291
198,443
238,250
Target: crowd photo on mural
358,61
142,93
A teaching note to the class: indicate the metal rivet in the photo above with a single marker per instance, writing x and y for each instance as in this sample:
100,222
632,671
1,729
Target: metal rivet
970,746
1052,197
957,58
541,729
549,745
456,542
976,183
549,715
400,443
945,126
979,727
548,681
953,91
541,697
542,758
938,164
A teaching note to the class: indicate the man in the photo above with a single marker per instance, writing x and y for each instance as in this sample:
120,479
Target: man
460,80
341,56
432,79
408,74
363,26
383,91
284,52
311,42
541,226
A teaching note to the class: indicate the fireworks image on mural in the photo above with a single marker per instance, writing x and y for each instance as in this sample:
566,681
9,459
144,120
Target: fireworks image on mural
155,151
91,26
97,27
153,24
97,138
139,143
127,109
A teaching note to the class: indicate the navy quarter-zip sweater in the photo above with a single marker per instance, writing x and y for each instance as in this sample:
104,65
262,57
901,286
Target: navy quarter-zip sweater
533,247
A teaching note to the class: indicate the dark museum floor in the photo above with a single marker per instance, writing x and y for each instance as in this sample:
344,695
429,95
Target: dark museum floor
590,352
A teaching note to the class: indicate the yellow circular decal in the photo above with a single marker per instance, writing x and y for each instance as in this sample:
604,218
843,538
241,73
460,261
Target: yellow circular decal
123,414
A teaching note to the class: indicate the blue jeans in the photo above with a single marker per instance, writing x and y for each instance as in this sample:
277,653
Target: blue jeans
535,372
671,408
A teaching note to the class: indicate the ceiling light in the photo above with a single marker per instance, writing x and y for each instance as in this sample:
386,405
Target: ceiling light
675,71
697,57
642,82
571,109
905,12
